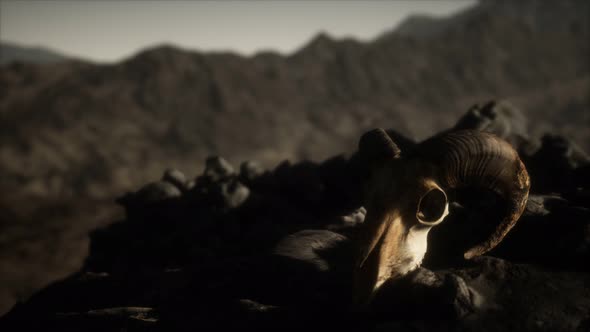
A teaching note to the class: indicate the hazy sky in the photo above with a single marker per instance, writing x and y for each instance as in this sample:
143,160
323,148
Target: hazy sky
110,30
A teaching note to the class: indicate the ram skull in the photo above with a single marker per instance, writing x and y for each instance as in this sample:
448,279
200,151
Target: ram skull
405,196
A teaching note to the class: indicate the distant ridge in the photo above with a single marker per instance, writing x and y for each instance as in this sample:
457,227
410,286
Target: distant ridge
10,52
536,14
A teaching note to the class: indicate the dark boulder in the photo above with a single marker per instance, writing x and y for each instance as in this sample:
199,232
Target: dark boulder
558,166
500,118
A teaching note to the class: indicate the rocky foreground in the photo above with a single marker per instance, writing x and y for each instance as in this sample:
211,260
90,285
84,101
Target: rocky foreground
273,249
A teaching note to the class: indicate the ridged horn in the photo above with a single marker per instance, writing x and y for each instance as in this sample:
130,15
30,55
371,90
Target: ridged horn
376,145
473,158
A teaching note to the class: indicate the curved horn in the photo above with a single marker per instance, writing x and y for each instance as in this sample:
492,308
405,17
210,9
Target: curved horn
474,158
376,145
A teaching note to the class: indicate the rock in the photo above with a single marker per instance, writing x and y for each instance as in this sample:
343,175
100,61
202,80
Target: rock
424,294
250,170
559,147
554,167
500,118
190,185
255,307
219,186
217,168
151,193
177,178
158,191
141,316
301,182
349,221
356,218
490,295
519,296
537,205
233,193
309,246
342,183
311,268
464,300
103,319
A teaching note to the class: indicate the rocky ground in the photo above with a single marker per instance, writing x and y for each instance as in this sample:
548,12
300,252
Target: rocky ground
253,248
76,134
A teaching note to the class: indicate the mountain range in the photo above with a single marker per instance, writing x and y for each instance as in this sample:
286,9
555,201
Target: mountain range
10,52
72,128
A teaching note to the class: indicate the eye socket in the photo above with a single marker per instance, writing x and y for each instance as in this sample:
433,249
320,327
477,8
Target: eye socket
433,207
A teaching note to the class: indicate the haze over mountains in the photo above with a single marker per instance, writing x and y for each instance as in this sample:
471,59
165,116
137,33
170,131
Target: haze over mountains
74,128
10,53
